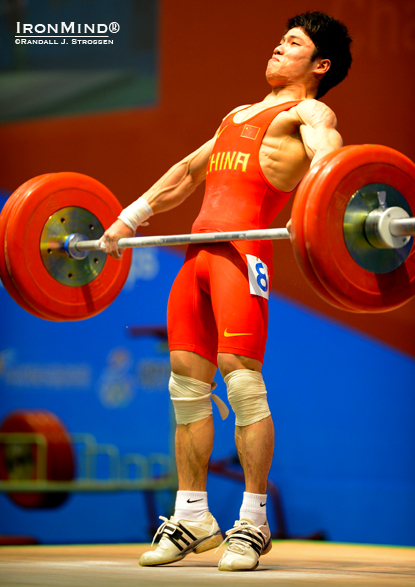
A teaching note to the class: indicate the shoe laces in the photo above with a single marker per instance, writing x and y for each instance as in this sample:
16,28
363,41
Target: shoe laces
234,542
161,528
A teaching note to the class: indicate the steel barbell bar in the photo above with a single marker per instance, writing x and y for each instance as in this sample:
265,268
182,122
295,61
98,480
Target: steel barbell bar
403,227
75,243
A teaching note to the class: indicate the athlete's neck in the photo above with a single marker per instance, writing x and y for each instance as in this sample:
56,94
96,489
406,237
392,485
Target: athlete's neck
289,94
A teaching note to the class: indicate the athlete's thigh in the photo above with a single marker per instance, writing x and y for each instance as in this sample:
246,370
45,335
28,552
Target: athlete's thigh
241,317
190,320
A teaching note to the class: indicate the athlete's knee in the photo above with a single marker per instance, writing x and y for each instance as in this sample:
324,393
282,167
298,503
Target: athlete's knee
192,399
229,362
190,364
247,395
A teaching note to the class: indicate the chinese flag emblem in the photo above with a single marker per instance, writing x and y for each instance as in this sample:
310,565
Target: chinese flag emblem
250,132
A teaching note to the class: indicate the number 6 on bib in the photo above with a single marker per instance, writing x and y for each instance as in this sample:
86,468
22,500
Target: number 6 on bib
258,277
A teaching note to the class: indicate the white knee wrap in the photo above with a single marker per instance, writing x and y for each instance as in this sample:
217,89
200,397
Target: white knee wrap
248,396
192,399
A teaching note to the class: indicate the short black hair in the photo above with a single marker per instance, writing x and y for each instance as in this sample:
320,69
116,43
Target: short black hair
332,41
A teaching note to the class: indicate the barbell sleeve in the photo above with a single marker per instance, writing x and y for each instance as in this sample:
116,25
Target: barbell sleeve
402,227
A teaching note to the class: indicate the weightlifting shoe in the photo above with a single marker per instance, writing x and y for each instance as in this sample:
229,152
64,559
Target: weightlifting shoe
246,544
181,537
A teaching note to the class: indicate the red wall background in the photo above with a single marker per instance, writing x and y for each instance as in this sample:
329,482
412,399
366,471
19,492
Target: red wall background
212,58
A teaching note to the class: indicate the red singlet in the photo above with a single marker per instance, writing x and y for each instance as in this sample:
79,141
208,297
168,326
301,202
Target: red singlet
238,196
218,303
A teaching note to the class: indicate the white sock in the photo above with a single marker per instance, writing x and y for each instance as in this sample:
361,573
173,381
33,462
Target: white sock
254,508
191,505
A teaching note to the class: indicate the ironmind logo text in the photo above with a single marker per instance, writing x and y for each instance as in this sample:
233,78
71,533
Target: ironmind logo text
63,28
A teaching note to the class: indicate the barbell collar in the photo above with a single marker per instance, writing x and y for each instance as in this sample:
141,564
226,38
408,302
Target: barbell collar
182,239
70,246
378,228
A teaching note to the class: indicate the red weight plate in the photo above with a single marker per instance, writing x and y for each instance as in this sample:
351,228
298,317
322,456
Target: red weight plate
22,465
23,257
304,191
347,281
4,274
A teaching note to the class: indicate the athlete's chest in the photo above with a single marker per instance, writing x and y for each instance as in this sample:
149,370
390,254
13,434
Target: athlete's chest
265,124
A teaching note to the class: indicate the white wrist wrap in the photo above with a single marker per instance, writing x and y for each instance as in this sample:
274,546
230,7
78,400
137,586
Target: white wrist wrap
136,213
248,396
192,399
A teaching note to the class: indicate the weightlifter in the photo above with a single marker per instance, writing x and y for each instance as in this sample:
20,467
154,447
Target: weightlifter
218,307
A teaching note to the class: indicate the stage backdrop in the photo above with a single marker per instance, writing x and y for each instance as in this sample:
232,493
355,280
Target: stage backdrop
341,386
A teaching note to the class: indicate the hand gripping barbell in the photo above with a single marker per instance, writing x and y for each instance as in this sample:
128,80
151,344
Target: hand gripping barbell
352,229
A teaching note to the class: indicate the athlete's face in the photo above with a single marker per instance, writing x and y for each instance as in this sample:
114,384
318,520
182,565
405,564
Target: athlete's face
291,61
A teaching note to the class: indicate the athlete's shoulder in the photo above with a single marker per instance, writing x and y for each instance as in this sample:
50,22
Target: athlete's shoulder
315,113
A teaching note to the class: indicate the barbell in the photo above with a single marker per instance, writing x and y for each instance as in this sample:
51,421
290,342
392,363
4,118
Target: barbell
352,229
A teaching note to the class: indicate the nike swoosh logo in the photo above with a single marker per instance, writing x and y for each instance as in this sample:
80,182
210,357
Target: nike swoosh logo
227,334
263,504
194,500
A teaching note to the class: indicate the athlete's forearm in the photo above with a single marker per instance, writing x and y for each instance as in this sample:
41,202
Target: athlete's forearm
173,188
168,192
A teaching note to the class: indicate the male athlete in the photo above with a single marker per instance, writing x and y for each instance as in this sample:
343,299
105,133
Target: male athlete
218,307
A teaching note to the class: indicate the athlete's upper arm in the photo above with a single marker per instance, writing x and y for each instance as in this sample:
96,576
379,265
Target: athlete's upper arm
198,160
318,128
